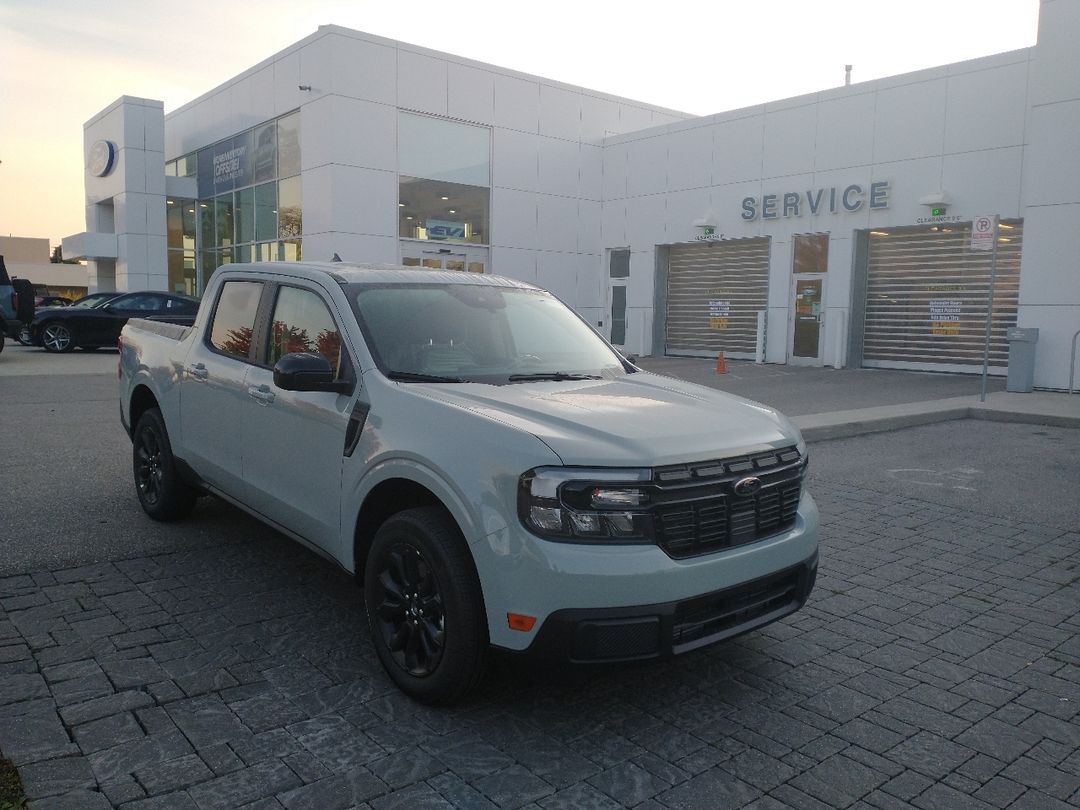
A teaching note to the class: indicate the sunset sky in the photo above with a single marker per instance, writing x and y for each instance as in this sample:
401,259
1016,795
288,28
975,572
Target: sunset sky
61,61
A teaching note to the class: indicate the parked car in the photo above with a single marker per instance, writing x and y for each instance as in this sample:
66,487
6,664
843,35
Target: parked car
492,471
96,324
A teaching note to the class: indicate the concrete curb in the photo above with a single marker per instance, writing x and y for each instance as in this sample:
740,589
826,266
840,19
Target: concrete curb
845,424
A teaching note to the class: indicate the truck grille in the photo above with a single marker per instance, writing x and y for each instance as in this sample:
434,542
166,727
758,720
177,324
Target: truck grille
698,511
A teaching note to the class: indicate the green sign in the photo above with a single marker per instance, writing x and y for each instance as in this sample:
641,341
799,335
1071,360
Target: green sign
937,212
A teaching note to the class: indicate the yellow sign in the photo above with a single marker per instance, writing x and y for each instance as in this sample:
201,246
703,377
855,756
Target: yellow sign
947,328
718,323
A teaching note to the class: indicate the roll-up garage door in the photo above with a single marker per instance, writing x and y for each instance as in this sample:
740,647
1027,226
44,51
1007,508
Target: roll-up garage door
714,292
926,297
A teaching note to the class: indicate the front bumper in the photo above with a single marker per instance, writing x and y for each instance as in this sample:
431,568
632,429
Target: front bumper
594,602
670,628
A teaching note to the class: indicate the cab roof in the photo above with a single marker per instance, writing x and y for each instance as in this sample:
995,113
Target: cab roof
371,273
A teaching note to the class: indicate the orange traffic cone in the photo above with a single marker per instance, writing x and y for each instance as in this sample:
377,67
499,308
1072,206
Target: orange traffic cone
721,366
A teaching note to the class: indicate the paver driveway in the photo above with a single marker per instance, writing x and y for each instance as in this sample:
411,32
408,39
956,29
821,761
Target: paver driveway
936,666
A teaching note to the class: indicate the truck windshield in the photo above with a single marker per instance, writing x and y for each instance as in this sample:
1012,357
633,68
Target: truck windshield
478,333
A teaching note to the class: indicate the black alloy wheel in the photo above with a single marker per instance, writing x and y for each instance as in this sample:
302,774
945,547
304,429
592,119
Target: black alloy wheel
410,615
162,493
425,607
24,337
56,337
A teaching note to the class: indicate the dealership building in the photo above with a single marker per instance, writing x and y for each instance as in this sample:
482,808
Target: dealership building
858,226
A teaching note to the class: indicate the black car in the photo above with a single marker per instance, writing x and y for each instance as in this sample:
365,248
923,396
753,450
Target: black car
92,300
90,327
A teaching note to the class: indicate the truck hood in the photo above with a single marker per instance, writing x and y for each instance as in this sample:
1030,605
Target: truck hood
641,419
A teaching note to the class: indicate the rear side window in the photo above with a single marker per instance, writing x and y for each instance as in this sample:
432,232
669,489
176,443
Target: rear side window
234,317
179,306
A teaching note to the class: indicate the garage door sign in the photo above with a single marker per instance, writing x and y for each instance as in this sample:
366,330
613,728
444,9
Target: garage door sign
719,313
945,317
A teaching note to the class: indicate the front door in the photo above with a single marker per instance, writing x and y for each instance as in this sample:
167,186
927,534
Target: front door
807,320
444,256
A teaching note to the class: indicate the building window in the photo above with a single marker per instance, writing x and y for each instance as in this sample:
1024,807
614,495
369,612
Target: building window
445,178
250,205
811,253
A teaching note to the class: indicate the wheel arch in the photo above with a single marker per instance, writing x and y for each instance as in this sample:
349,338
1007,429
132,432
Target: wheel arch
386,499
142,400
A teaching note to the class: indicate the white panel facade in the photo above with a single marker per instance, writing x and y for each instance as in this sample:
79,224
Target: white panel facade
575,173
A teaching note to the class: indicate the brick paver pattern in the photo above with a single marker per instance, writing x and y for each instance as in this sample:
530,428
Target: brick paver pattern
937,665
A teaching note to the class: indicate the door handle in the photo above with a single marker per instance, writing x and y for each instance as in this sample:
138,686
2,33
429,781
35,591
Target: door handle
262,393
198,371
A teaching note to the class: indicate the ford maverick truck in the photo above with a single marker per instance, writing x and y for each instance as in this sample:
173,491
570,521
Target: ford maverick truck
490,469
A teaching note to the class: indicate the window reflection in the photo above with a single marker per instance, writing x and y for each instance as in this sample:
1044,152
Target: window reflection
302,323
234,318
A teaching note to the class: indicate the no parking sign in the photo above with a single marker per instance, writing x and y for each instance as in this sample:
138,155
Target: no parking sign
983,231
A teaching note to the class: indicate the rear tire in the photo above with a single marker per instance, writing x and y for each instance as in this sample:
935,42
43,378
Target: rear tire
56,337
425,607
24,337
163,494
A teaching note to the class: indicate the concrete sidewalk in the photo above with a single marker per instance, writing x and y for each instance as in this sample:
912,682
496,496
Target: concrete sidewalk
830,403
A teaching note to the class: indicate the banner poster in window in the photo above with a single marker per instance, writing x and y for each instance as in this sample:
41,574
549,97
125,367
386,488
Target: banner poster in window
945,317
719,314
226,165
444,229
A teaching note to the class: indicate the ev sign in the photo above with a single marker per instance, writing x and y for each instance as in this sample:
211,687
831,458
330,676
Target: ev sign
983,232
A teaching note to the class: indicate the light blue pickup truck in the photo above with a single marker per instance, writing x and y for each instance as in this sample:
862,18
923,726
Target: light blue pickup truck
491,470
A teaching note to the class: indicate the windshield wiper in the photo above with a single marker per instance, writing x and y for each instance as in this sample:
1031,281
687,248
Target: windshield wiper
557,376
409,376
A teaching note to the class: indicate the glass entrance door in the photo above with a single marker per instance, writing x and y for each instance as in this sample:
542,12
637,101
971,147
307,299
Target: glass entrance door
434,257
808,317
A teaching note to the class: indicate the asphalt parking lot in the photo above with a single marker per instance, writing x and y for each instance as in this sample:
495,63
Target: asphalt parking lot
215,664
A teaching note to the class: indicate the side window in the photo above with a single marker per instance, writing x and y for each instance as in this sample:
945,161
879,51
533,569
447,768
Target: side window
234,318
138,303
302,323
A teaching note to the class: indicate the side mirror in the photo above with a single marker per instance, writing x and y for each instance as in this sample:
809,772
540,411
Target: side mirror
305,371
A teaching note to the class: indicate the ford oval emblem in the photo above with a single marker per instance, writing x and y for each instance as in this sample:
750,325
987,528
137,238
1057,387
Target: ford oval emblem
748,486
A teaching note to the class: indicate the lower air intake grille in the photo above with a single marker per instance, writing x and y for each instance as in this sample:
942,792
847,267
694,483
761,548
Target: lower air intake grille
707,616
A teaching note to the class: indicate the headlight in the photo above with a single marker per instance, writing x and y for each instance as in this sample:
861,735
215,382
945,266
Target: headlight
586,505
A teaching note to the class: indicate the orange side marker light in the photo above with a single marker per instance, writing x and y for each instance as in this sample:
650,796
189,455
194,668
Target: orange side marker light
517,621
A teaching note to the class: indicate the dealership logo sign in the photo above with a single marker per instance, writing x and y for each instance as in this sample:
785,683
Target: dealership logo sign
832,200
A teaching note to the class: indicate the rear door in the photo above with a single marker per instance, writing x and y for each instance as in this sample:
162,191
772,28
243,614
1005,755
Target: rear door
294,441
213,397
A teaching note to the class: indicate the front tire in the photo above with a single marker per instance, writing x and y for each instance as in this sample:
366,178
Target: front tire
24,337
57,338
164,496
424,605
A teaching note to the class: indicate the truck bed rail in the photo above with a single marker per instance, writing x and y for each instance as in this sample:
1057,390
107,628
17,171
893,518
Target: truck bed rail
169,330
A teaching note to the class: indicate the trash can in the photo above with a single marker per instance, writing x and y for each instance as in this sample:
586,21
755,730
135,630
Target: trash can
1021,359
